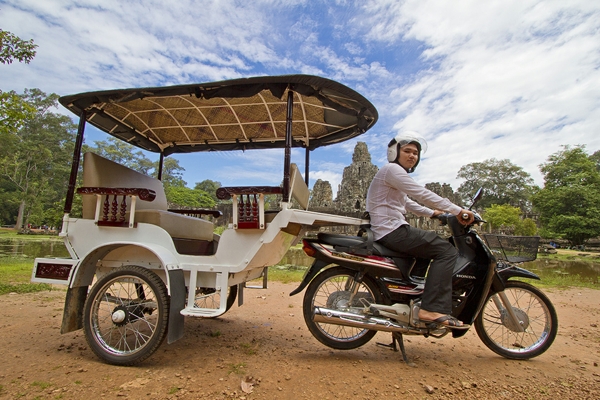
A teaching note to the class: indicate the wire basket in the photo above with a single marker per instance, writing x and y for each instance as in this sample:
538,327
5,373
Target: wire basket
514,249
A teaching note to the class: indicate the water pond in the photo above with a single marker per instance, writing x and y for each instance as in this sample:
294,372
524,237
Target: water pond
588,272
32,247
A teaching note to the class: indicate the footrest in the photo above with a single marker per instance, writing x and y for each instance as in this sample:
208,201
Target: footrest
201,312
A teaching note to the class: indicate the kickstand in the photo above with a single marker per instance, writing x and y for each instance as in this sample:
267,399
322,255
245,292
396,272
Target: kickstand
397,338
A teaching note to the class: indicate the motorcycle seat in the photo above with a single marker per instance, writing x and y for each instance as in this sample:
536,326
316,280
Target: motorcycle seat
354,243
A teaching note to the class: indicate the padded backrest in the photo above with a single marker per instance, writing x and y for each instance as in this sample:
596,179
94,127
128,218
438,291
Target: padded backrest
299,190
100,172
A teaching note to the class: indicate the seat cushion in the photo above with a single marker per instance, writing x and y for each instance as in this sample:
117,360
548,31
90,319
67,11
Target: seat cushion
177,225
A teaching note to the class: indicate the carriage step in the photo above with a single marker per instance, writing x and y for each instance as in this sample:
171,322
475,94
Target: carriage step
201,312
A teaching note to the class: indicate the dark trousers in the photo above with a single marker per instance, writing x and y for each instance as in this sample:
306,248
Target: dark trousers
437,296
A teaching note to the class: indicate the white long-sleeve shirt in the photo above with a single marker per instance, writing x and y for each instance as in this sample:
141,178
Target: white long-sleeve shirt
387,200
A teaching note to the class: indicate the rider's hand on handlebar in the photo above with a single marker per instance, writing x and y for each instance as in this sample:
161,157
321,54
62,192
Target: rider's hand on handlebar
466,217
436,213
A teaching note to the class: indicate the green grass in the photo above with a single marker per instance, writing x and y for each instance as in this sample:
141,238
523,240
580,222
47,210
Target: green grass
237,369
12,234
286,273
570,255
15,274
41,385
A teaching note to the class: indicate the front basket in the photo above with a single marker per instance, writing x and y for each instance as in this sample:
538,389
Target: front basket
513,249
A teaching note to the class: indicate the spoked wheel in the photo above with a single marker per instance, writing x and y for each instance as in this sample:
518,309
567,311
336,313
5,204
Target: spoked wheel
126,315
211,298
537,322
335,288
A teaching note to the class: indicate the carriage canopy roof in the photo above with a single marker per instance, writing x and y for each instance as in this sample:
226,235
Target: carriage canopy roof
239,114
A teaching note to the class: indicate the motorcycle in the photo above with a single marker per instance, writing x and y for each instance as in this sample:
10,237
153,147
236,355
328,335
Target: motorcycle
370,288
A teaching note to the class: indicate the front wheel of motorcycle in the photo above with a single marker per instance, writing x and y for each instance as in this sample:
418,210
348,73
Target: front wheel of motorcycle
335,288
531,336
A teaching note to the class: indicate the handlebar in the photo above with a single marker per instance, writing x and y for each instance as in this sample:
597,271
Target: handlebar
444,217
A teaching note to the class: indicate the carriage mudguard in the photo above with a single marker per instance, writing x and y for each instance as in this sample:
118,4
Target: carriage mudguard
176,319
314,269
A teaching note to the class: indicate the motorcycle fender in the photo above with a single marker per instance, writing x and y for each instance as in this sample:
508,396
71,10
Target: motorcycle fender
516,272
314,269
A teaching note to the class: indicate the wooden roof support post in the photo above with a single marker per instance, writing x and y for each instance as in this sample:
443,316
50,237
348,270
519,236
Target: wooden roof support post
160,166
75,163
306,164
288,144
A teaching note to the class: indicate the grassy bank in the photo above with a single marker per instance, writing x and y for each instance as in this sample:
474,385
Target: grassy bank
15,273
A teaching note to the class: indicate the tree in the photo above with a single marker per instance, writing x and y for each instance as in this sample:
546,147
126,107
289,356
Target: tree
184,197
14,48
34,160
596,158
172,173
569,203
502,217
502,182
210,187
13,109
507,219
123,153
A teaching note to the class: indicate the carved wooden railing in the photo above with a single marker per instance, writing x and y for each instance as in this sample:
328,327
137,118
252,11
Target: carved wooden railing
112,212
248,204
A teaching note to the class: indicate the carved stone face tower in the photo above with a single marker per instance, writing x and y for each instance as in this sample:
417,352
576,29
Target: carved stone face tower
352,192
321,195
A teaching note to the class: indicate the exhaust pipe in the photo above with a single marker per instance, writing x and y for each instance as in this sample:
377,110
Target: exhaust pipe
336,317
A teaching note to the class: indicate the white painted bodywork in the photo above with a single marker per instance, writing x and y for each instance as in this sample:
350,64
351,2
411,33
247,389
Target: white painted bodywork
242,254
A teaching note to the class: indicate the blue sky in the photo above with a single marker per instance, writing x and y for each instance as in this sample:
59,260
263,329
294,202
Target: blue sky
478,79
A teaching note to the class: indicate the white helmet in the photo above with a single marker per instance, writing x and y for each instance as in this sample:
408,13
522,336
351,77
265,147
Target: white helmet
402,139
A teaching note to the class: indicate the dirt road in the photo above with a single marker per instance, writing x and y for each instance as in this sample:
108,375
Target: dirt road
267,343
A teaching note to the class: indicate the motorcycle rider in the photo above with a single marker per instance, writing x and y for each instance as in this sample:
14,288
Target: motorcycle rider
387,202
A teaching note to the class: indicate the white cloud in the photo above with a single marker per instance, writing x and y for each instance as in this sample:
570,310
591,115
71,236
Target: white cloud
507,80
494,79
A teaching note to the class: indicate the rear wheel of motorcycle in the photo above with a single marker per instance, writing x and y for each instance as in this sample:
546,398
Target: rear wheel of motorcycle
535,313
330,289
126,315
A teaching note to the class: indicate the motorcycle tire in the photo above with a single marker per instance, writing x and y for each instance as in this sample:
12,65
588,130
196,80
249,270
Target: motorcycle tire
329,289
536,315
126,315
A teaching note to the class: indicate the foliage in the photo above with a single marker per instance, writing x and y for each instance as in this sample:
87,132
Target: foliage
526,227
569,203
14,48
502,182
123,153
183,196
209,187
507,219
14,111
172,173
35,161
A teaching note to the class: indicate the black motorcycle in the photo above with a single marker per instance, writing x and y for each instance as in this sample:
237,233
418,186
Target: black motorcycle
369,288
